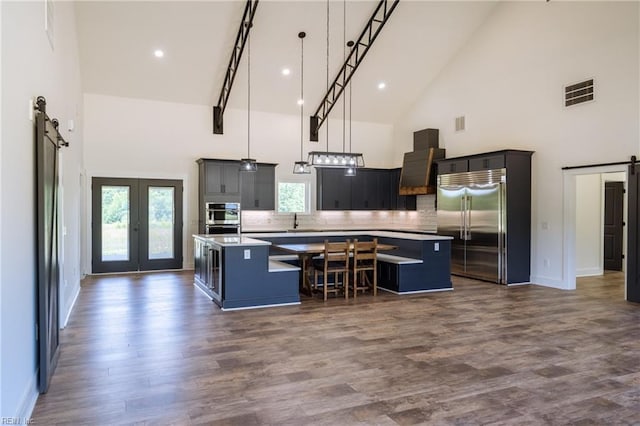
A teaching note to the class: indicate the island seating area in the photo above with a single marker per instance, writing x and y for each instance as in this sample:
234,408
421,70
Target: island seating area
248,271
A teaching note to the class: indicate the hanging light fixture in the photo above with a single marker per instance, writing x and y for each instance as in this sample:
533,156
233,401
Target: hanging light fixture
248,164
351,170
301,167
327,158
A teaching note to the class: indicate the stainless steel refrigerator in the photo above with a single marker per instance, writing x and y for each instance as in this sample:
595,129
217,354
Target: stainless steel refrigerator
471,208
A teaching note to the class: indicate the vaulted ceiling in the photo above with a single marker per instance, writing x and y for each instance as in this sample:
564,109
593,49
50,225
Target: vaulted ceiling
117,40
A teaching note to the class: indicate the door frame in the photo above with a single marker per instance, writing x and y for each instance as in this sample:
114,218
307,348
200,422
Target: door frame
189,226
569,219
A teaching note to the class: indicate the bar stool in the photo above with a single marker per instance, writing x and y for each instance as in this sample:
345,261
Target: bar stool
335,261
365,259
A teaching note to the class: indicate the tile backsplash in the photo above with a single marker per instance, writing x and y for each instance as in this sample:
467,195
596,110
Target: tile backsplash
423,218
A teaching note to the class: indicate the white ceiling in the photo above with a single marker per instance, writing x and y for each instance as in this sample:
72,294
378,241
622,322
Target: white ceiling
117,40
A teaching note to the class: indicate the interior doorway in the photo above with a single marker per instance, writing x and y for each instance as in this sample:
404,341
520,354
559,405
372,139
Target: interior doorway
613,225
136,224
599,214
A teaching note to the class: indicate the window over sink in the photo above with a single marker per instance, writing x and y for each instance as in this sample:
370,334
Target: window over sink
293,197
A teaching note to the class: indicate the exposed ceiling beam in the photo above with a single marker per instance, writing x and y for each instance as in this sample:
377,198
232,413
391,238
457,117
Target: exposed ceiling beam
380,17
234,61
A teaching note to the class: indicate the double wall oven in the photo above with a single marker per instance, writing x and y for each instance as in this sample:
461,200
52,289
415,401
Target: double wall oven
222,218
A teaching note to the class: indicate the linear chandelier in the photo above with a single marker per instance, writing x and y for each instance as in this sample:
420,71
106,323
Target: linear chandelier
342,160
335,159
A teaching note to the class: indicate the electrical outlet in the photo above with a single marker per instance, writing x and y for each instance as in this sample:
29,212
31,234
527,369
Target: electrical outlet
247,254
546,263
436,246
545,226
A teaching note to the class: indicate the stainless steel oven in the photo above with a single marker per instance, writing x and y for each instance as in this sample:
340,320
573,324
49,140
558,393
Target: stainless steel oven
222,229
222,218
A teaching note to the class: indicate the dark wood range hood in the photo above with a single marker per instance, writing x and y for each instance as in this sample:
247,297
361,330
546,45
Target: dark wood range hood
418,176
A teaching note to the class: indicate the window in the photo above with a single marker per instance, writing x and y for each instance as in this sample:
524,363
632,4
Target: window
293,197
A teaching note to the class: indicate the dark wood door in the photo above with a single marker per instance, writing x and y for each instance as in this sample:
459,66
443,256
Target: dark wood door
47,249
613,225
633,240
136,224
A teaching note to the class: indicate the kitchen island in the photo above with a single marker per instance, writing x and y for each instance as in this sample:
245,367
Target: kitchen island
237,273
247,271
420,264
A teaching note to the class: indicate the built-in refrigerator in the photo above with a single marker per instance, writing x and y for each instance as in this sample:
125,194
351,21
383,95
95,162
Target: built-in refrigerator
471,210
484,204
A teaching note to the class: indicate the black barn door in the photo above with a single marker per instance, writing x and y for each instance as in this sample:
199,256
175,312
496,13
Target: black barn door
613,215
633,240
47,245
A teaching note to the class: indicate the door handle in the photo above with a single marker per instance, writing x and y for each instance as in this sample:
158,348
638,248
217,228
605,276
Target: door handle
462,208
468,227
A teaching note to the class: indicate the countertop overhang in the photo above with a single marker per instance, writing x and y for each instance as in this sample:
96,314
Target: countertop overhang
373,233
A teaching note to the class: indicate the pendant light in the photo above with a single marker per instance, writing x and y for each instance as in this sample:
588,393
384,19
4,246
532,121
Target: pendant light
301,167
248,164
351,170
327,158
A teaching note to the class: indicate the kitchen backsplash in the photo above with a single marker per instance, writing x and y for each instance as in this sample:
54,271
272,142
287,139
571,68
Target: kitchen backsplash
423,218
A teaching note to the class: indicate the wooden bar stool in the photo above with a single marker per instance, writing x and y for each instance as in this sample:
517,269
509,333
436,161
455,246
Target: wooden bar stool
365,259
335,262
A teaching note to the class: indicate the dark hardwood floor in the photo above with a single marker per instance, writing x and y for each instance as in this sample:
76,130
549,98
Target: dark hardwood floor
151,349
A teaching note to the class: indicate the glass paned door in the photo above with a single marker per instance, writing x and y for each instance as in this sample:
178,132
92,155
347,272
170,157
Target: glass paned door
161,220
161,224
137,224
116,221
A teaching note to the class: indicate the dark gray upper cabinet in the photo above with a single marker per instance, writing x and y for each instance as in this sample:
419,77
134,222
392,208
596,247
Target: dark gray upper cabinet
259,188
333,190
455,165
488,162
397,201
221,178
370,189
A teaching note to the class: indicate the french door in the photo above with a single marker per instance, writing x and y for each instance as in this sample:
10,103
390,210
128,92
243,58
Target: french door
136,224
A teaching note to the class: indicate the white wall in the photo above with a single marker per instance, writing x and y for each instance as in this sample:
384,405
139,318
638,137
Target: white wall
508,81
141,138
589,225
30,67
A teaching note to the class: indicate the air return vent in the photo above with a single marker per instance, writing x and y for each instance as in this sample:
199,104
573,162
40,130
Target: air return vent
578,93
460,126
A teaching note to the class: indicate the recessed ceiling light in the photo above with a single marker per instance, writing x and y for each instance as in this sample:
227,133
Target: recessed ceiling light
300,101
286,71
382,85
158,53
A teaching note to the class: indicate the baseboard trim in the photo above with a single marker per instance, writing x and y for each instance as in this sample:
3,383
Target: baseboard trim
73,304
244,308
589,272
549,282
28,400
436,290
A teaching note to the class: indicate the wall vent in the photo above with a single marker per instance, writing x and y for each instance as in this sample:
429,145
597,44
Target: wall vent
460,125
578,93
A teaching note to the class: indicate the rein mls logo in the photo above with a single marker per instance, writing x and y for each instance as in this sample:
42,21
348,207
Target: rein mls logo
16,421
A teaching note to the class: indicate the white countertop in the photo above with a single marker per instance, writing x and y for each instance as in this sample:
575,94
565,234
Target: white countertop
226,240
385,234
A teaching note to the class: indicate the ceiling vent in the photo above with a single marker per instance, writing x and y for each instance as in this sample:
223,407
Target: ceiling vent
578,93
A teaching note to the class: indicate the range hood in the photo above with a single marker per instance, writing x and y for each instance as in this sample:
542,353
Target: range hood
419,173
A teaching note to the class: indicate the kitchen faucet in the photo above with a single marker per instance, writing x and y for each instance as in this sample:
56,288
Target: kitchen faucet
295,220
